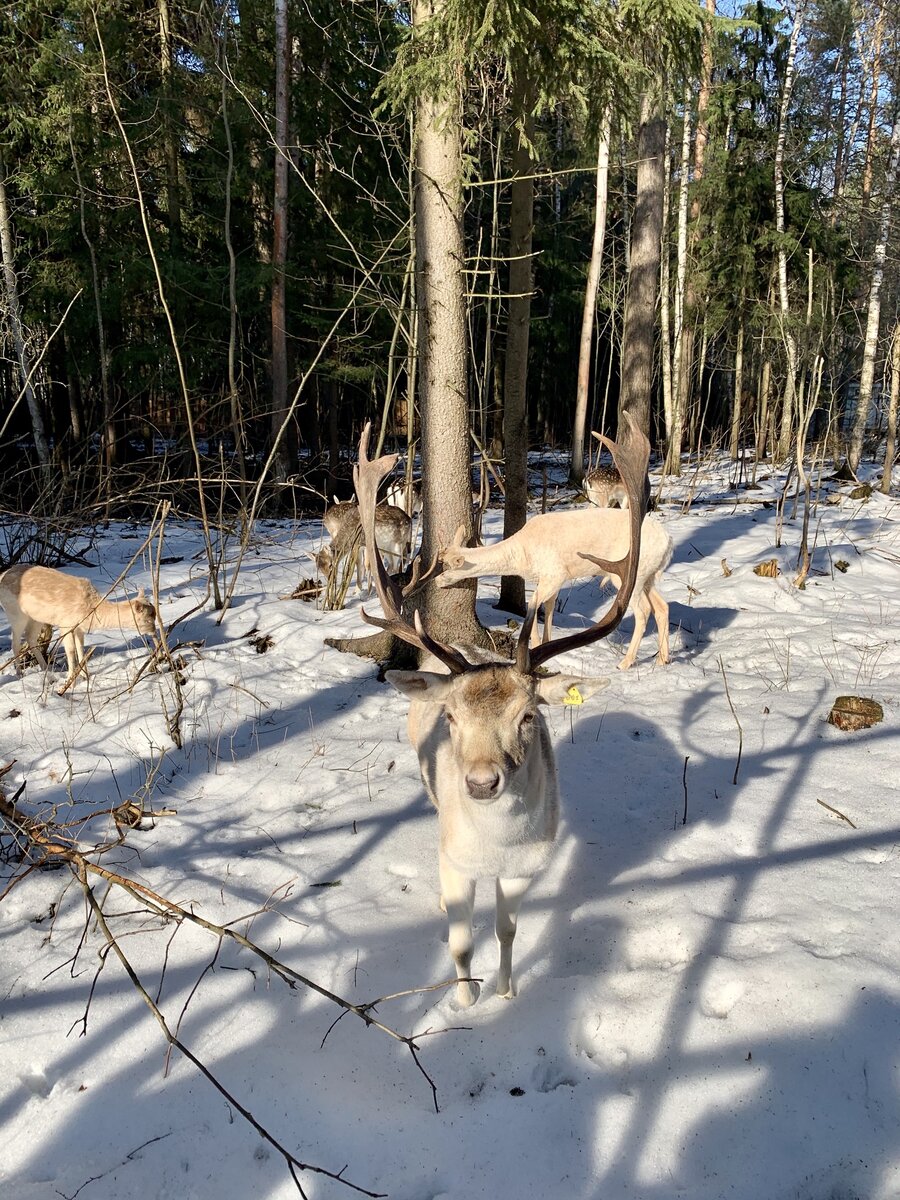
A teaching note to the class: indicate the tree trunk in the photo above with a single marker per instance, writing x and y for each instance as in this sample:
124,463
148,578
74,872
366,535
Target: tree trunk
665,289
682,398
890,448
874,85
765,387
738,385
11,288
449,613
679,394
170,134
515,382
285,458
576,469
873,318
108,439
234,397
790,342
643,279
841,121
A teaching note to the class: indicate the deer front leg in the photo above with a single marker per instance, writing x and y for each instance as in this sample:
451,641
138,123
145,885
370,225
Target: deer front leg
458,900
641,610
661,614
71,647
509,897
545,596
25,641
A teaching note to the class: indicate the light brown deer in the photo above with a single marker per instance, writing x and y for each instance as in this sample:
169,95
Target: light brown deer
33,597
604,488
484,748
393,532
556,548
408,499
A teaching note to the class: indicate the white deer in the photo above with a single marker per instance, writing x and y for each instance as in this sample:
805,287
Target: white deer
33,597
556,548
484,748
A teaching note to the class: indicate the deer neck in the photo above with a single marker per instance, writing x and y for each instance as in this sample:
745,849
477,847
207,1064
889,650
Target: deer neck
110,614
502,558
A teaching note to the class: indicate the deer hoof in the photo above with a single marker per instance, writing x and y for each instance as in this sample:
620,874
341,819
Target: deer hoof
467,994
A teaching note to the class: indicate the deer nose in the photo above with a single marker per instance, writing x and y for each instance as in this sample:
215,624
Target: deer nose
483,783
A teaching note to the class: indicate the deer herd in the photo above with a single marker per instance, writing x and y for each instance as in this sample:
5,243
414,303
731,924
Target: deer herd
475,720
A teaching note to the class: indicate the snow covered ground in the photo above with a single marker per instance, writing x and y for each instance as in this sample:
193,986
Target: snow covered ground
708,1007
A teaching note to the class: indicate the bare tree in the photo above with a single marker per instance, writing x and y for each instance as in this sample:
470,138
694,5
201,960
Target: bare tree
890,448
684,364
790,341
170,135
515,383
576,469
11,287
643,277
873,318
443,397
284,461
680,361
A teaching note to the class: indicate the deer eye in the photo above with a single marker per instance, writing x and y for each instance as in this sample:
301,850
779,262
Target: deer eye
451,720
527,718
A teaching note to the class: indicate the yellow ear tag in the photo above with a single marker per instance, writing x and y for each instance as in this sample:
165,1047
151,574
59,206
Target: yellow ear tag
573,696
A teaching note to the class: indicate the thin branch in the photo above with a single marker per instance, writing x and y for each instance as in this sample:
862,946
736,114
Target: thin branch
737,765
294,1164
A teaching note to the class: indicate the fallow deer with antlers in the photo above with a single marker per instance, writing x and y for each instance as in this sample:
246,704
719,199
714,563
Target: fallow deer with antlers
484,748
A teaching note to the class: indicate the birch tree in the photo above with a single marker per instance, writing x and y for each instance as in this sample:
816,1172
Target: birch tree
790,341
601,195
873,315
284,460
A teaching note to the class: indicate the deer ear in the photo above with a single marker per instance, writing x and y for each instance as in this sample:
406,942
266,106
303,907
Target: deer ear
422,685
141,594
567,689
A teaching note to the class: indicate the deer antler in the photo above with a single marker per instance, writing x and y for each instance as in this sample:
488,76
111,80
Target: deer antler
631,455
367,475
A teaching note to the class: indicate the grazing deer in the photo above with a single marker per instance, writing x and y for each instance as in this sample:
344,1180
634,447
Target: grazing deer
604,488
484,748
393,532
556,548
33,597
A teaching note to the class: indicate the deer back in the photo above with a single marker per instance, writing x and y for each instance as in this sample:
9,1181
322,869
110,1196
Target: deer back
342,521
604,486
550,546
49,596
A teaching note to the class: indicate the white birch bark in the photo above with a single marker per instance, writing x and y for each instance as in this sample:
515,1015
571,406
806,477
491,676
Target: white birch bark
673,465
576,471
790,342
873,317
890,449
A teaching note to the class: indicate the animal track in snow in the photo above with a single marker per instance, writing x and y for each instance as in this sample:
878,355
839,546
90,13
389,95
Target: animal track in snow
548,1076
719,999
599,1040
403,870
663,947
36,1081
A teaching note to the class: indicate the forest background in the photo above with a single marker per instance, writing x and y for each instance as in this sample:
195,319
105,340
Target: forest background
225,245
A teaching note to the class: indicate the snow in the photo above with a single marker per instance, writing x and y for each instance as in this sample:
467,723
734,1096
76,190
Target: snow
707,1007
